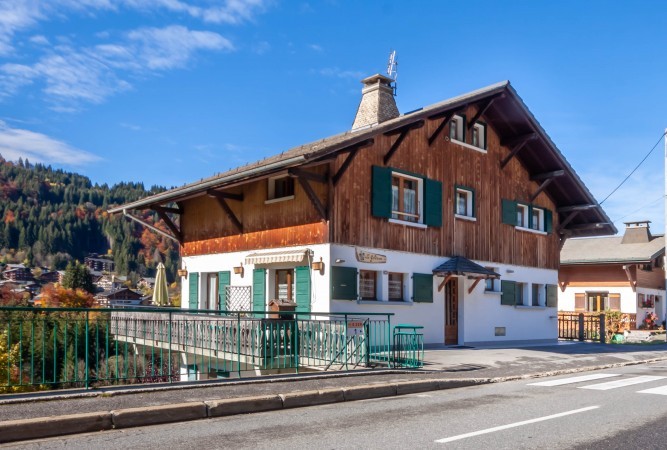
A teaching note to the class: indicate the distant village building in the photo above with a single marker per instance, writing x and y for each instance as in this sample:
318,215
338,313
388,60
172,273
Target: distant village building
146,282
618,273
98,263
17,272
121,298
50,277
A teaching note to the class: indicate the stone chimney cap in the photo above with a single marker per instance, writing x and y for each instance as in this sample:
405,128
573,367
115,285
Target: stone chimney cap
377,78
637,223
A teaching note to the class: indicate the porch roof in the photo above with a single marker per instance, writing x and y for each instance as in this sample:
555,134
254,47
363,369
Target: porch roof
458,265
276,257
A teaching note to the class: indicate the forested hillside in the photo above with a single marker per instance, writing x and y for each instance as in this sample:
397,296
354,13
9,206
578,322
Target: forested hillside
50,217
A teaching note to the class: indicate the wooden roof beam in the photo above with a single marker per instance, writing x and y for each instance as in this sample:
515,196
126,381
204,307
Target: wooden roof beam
162,213
225,195
564,209
178,238
314,199
633,282
310,176
588,226
516,145
397,143
483,109
220,197
350,157
568,219
167,209
542,187
547,175
438,130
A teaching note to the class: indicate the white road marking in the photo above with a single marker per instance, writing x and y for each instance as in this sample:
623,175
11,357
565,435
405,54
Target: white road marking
514,425
562,381
621,383
662,390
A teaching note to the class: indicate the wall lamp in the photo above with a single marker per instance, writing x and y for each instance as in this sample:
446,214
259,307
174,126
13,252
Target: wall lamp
238,270
318,265
182,272
339,261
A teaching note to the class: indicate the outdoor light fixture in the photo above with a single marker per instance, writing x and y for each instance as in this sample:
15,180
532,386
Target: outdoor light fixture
339,261
318,265
182,272
238,270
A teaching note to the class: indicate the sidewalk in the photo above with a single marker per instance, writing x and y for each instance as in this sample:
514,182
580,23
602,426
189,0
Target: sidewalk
444,368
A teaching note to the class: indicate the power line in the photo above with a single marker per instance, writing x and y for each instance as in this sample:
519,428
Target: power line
633,170
651,203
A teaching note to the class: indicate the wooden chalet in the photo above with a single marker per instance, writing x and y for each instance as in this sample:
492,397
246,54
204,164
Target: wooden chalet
618,273
370,220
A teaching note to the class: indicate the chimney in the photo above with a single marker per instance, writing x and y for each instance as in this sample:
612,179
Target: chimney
637,232
377,102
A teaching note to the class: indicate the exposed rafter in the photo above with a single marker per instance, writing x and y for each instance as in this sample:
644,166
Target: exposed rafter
564,209
149,226
225,195
444,282
162,213
169,209
482,110
402,133
474,285
633,282
516,144
547,175
568,219
314,199
350,157
542,187
438,130
310,176
220,197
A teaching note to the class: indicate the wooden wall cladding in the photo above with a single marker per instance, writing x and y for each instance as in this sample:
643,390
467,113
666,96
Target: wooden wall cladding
603,274
654,279
485,239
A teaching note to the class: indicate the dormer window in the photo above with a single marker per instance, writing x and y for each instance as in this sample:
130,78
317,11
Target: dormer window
280,188
479,135
457,128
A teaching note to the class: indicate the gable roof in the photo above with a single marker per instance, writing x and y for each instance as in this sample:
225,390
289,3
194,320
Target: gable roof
507,114
458,265
609,249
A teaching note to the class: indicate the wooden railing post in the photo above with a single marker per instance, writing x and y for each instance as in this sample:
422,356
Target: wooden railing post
602,328
581,327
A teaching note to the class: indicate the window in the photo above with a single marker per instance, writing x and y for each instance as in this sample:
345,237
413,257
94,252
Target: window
212,291
465,205
395,286
281,188
539,292
538,219
368,284
519,293
456,128
492,284
597,301
479,135
521,215
285,285
405,198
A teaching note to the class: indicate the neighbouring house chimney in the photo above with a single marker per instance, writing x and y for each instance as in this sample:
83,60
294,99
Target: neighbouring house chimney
377,102
637,232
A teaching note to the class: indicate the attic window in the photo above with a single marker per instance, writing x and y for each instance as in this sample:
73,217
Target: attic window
479,135
280,188
456,128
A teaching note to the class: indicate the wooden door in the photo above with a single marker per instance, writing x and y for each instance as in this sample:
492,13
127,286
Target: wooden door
452,312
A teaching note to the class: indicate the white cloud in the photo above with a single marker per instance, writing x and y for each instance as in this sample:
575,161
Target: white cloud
315,47
39,40
338,73
37,147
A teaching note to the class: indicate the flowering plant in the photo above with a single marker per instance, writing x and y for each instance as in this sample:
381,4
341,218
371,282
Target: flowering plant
650,320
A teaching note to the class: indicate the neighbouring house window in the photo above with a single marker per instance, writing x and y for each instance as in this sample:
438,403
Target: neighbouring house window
479,135
285,284
597,301
405,196
522,215
580,302
395,286
281,188
456,128
538,219
492,284
465,202
615,302
368,284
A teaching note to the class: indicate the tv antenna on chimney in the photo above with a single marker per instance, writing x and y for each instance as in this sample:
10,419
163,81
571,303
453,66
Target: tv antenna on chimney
392,68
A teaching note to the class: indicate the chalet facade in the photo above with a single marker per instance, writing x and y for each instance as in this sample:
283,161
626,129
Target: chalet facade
451,217
99,264
618,273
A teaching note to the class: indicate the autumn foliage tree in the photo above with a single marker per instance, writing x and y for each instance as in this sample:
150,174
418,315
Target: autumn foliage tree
57,296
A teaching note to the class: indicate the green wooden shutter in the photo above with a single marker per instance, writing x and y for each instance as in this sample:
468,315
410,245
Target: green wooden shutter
552,295
302,275
223,281
422,288
509,212
193,282
465,127
432,203
343,283
548,221
259,290
508,289
381,192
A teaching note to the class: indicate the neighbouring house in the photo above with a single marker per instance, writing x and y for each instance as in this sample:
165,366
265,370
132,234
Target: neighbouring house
451,216
17,272
99,263
109,282
146,282
121,298
50,276
618,273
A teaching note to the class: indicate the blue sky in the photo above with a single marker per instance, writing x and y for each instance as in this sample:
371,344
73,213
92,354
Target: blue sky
171,91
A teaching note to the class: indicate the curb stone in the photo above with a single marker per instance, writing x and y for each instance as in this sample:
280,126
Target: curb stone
243,405
312,398
43,427
152,415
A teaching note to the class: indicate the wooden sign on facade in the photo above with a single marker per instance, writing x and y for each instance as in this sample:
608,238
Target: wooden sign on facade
368,257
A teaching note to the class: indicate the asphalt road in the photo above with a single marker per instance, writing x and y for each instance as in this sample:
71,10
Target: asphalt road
606,410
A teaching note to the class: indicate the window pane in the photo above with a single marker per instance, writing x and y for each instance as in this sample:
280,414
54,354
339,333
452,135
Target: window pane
367,287
453,125
461,203
394,197
395,286
475,137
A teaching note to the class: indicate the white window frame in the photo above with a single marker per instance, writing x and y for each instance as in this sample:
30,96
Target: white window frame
521,287
456,129
396,216
271,194
492,284
378,280
479,128
404,278
541,294
469,213
524,221
539,226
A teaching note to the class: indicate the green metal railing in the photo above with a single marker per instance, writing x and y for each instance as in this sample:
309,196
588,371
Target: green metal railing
48,348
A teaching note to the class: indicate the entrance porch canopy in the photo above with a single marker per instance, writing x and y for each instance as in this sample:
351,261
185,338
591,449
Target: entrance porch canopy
460,266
